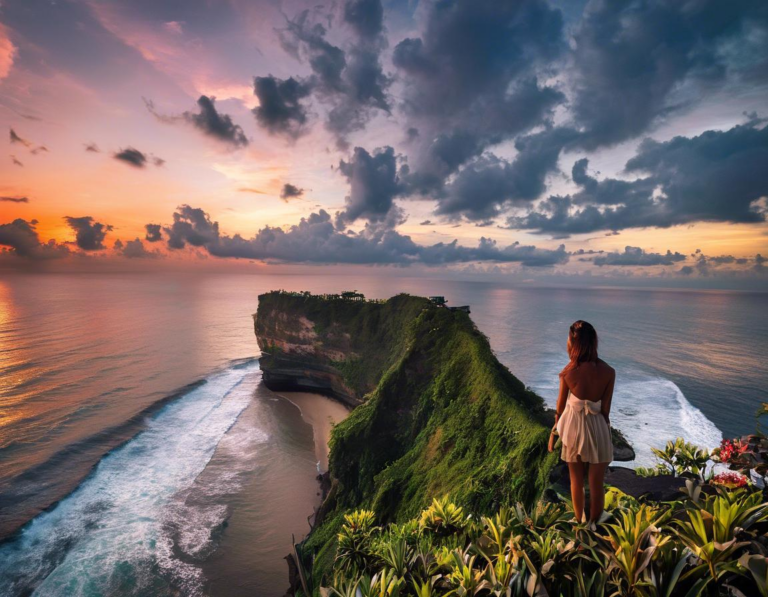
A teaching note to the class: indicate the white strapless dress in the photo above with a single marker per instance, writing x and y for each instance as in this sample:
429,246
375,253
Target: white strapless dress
584,432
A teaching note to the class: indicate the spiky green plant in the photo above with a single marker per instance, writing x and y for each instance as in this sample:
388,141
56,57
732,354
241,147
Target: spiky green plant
464,577
680,457
715,527
443,517
397,556
705,544
634,537
354,550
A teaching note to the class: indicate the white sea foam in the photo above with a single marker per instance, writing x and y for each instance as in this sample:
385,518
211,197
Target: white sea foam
120,531
652,410
649,410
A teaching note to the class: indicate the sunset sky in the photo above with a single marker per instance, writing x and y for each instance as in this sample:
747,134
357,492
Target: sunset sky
542,140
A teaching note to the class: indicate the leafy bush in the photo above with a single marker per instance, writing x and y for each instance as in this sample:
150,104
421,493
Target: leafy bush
679,457
705,544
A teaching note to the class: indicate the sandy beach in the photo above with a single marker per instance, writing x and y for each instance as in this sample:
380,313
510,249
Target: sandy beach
322,413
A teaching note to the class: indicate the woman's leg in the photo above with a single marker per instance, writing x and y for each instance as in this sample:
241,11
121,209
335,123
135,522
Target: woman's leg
596,490
576,470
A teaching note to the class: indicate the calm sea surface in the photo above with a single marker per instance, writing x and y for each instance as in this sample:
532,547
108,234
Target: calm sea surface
143,457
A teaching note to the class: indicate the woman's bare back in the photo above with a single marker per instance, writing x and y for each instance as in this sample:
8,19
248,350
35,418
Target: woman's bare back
590,380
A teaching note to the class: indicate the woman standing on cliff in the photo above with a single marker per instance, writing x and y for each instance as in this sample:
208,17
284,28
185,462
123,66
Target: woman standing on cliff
581,419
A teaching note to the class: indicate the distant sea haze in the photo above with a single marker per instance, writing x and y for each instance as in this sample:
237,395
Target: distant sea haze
134,403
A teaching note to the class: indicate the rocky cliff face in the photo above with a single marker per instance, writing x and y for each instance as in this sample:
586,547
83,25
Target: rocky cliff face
332,346
294,357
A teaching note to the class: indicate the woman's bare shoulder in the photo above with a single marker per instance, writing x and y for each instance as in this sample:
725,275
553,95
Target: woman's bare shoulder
606,367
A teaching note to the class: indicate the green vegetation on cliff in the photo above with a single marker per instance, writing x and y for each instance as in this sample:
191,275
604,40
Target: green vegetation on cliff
711,542
441,415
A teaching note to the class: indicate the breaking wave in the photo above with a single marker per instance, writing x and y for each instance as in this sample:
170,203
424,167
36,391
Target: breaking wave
149,512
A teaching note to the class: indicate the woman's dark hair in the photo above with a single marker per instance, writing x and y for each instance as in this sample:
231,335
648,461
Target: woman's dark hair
582,345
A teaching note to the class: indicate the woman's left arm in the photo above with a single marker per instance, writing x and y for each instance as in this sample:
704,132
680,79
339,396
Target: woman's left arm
607,397
562,397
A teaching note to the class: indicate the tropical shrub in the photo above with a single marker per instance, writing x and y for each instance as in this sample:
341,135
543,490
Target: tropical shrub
679,457
706,544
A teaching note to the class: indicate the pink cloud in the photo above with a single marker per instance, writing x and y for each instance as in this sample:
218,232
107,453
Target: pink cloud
175,27
7,52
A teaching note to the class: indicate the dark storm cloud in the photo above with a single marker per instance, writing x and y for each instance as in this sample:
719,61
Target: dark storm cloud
469,53
215,124
191,226
14,199
610,191
280,109
727,259
373,183
20,238
718,176
366,79
488,250
351,83
208,120
305,40
637,61
472,94
713,264
488,185
635,256
154,233
89,234
131,156
290,191
366,17
471,81
315,239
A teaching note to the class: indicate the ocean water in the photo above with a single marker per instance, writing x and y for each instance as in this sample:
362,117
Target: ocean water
139,454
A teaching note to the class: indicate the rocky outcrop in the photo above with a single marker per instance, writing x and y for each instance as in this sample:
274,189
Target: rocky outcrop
336,347
658,488
294,357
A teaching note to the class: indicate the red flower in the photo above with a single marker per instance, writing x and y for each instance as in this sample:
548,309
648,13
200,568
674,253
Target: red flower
741,447
726,451
731,449
730,479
